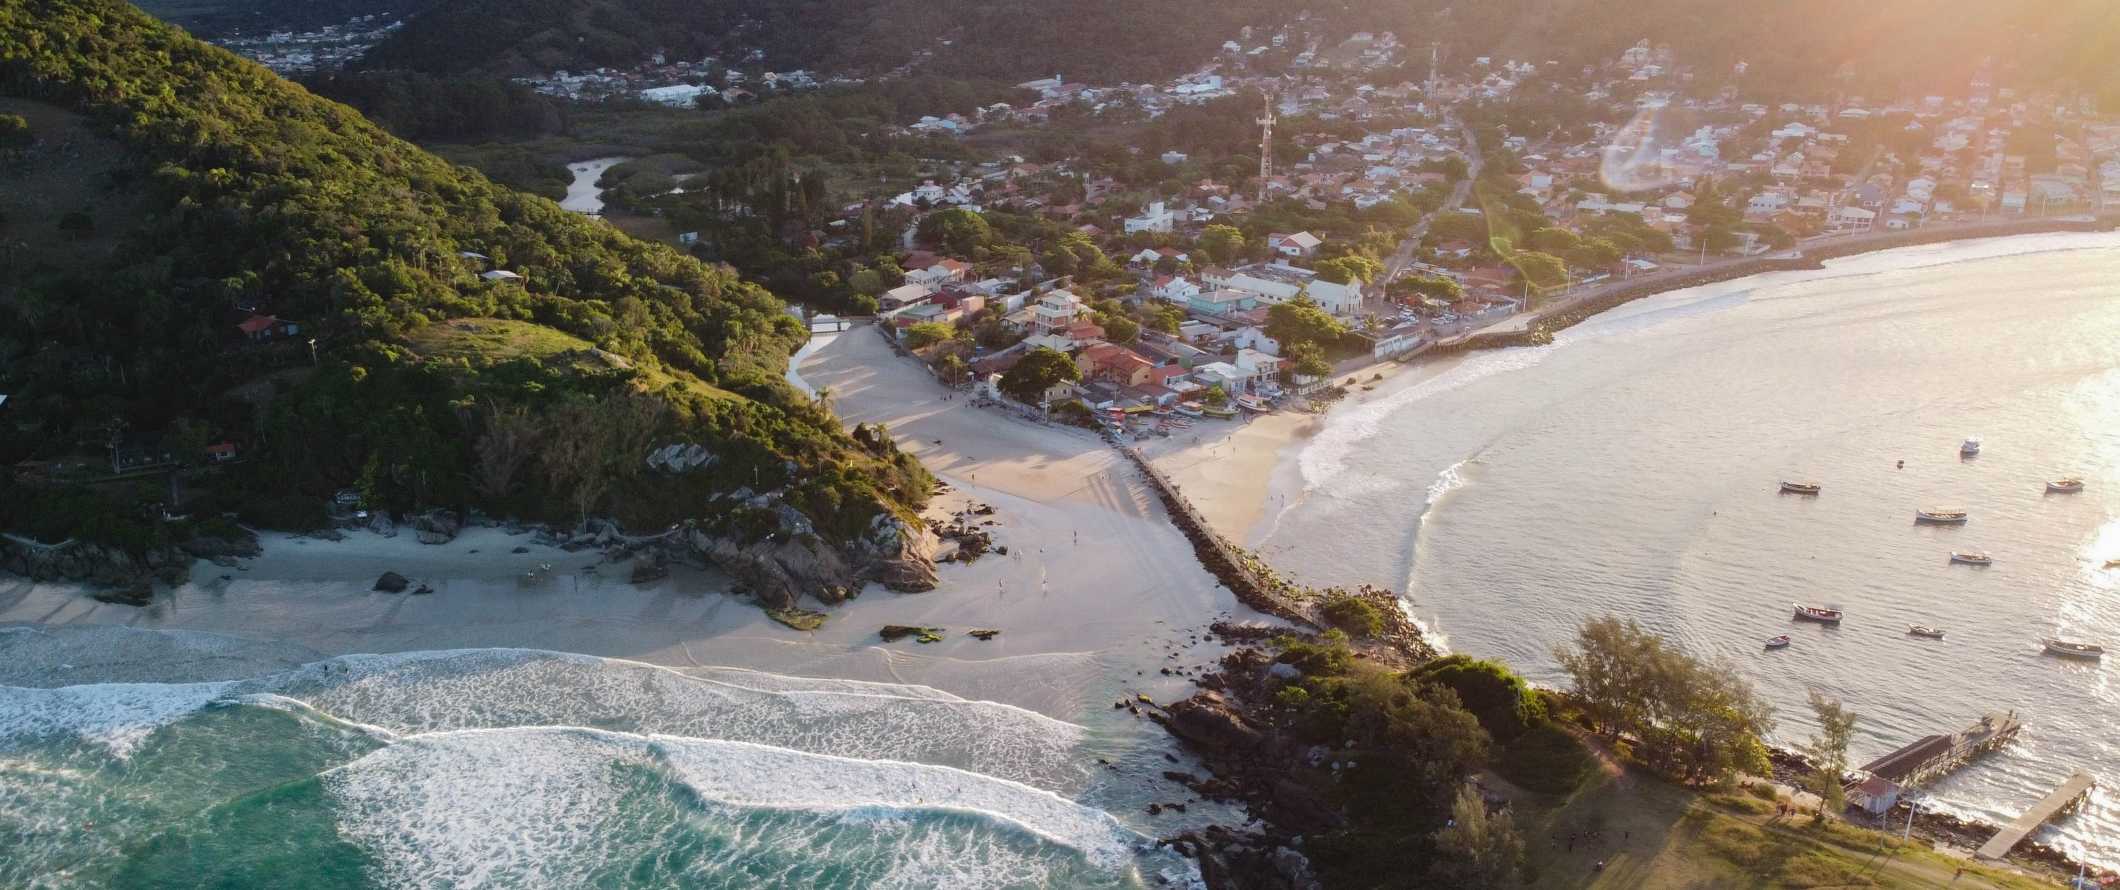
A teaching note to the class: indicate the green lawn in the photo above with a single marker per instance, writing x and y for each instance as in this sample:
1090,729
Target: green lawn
1656,835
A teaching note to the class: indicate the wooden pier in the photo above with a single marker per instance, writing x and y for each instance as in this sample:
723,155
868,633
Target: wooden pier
2068,795
1932,756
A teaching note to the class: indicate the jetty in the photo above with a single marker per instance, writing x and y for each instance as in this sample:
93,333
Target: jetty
2069,794
1934,755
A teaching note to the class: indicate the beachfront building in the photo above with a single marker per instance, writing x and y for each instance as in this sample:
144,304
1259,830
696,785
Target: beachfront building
1338,299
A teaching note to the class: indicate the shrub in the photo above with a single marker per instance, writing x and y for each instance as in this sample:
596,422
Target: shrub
1547,759
1505,704
1354,615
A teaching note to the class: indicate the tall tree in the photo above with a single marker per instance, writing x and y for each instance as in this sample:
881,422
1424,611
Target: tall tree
1478,848
1828,749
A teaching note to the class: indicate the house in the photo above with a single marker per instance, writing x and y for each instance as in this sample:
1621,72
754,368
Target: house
1261,365
262,328
1338,299
1273,290
1222,302
1114,363
1230,378
1254,337
904,295
1156,218
221,452
1301,245
1848,218
942,272
1875,795
1175,289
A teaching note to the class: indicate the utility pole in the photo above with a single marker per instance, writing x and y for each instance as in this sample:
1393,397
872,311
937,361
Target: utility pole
1265,144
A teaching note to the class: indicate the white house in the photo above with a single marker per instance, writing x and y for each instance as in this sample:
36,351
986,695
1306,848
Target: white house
1155,219
1298,246
1847,218
1397,341
1271,289
1338,299
1252,338
1175,288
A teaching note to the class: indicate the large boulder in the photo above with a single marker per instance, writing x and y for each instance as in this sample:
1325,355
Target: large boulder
392,582
1210,721
437,526
780,569
901,554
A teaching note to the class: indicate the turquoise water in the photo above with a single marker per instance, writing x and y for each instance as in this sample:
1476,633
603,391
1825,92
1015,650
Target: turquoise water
517,768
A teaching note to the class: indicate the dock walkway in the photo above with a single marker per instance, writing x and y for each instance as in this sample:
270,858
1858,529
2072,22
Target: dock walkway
2061,799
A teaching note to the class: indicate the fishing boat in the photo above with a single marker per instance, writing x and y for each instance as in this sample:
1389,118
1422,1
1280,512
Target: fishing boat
1941,517
1799,487
1970,446
2070,485
1817,613
1780,642
1189,409
1222,411
2069,649
1923,630
1971,559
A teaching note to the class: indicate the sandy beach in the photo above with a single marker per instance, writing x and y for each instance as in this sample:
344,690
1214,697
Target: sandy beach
1096,585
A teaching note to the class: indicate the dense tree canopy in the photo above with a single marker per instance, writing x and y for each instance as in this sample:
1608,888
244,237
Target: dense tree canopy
249,192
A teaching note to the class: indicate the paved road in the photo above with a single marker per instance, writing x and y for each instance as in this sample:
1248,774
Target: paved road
1403,257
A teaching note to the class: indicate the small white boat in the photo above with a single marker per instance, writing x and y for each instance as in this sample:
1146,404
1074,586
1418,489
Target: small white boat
1189,409
1780,642
2069,649
2070,485
1971,446
1923,630
1819,614
1799,487
1941,517
1971,559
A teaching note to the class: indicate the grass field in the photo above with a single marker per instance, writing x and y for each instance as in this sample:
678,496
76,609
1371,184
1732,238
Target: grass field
1650,834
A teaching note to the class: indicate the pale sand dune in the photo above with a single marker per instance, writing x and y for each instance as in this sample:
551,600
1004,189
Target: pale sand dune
1097,583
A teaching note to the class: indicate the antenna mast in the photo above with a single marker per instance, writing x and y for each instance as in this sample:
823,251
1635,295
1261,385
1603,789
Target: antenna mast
1265,144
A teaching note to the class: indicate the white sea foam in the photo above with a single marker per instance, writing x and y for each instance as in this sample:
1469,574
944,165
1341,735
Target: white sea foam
548,806
1326,458
483,688
116,715
1450,479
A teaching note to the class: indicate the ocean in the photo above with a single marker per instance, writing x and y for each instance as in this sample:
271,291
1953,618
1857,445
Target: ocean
1632,468
249,767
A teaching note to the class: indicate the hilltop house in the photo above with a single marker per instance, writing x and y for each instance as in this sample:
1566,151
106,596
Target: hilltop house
264,328
1301,245
1156,218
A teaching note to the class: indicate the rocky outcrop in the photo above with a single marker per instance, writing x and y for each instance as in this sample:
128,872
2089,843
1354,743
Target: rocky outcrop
392,582
1210,721
902,554
437,526
123,576
238,544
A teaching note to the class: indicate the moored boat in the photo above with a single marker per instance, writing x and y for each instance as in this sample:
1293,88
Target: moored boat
1971,559
1923,630
1817,613
2070,649
1799,487
1223,412
1780,642
1941,517
1189,409
1970,446
2069,485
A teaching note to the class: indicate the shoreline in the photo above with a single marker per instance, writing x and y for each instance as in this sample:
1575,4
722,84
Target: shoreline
1223,476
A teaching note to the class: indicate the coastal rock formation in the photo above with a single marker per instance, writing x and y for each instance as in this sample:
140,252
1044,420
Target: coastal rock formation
903,554
1209,720
779,569
437,526
97,565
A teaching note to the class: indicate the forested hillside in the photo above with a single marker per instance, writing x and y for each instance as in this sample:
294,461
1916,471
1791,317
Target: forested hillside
159,196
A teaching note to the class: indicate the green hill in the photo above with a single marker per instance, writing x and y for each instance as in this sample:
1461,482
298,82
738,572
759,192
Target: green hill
193,251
